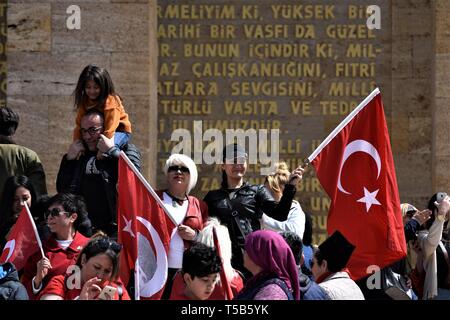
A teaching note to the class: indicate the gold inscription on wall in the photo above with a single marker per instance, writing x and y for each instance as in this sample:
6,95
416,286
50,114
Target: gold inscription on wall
299,68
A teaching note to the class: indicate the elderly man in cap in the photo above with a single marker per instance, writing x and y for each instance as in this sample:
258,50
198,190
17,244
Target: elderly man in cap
328,268
16,159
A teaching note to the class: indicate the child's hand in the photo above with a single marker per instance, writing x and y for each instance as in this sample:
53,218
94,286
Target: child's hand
100,155
104,143
76,149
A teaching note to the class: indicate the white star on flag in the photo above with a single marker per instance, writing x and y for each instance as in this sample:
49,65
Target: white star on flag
370,198
127,227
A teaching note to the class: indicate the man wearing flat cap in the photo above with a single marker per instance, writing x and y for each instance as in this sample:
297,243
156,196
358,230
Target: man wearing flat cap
328,268
16,159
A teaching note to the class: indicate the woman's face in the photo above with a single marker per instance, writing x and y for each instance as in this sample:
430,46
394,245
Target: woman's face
235,170
21,196
250,265
178,177
100,266
59,221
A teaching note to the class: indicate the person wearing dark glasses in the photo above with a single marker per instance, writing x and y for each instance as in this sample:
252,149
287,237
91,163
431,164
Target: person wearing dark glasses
70,226
81,172
188,211
96,271
240,205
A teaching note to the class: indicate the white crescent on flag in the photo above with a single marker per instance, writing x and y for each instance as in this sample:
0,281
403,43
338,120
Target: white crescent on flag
355,146
11,244
152,269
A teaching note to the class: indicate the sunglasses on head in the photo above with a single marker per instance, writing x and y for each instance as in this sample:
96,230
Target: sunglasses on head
104,244
178,168
55,212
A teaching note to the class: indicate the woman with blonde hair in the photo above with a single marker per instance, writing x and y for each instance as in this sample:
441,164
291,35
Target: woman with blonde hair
187,211
295,222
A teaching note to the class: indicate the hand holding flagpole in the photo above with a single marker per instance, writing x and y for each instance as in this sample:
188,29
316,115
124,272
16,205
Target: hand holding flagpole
148,186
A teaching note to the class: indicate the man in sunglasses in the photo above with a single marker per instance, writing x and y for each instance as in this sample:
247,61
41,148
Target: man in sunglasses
83,172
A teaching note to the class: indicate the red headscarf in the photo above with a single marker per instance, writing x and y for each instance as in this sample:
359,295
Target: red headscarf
271,252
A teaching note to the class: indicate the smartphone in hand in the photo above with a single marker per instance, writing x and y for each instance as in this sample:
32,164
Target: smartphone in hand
107,293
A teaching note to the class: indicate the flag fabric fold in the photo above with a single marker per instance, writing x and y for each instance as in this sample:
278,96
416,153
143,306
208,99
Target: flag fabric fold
23,241
144,230
356,168
228,293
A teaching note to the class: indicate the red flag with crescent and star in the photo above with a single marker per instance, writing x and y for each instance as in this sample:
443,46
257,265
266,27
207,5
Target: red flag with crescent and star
23,241
356,168
144,231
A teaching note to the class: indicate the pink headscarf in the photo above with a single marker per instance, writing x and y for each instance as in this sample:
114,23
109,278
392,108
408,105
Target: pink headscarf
271,252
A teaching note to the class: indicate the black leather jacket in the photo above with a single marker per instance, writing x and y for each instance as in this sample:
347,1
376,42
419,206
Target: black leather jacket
247,204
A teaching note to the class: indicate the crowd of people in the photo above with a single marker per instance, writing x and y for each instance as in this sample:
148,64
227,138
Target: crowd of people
266,249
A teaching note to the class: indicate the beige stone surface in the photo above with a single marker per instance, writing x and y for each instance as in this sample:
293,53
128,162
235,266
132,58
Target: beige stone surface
402,58
48,73
130,73
104,28
441,104
41,79
411,115
29,27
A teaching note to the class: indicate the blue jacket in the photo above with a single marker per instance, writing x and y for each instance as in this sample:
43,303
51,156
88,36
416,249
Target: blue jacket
309,290
10,286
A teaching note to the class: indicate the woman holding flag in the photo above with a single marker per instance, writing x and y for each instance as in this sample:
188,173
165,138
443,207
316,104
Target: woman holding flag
69,224
188,212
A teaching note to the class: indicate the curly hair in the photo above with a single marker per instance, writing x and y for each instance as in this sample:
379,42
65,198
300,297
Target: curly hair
279,178
200,261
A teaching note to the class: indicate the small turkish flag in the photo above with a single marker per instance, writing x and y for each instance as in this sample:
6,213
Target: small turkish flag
356,168
23,241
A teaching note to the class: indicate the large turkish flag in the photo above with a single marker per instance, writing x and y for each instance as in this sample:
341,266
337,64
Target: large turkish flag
356,169
144,231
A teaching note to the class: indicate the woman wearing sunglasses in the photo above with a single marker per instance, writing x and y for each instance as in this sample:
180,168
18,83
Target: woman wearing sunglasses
69,225
95,272
240,205
188,211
